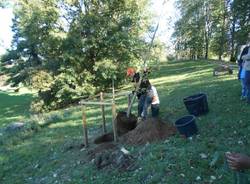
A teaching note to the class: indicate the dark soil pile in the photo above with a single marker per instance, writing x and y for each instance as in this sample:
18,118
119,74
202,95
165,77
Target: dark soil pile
123,124
100,149
108,155
150,130
108,137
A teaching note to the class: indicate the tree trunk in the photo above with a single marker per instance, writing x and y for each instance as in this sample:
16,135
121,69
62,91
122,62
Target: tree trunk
222,41
232,54
207,29
206,45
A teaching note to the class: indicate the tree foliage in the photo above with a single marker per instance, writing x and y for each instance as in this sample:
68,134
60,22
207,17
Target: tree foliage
211,27
69,49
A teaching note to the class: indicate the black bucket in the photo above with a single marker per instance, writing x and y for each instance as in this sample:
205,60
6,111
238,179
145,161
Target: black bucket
187,126
196,104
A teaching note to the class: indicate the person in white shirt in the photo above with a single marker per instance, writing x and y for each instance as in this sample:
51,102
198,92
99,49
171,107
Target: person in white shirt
152,99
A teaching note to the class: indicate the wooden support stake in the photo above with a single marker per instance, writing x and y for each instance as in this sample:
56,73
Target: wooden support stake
129,101
113,89
103,114
84,125
95,103
113,121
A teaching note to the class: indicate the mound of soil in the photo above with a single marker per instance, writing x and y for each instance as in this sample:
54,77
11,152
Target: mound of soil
100,149
150,130
108,137
123,124
108,155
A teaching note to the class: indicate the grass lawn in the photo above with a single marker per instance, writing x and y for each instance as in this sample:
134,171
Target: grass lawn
53,154
13,107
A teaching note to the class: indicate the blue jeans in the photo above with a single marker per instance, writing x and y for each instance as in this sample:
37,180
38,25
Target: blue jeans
154,108
141,104
147,102
247,83
243,88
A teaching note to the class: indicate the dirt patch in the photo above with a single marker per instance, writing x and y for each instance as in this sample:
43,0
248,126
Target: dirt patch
123,124
72,144
150,130
109,156
108,137
101,148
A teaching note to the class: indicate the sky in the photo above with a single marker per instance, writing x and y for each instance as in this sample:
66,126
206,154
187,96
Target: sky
6,16
164,13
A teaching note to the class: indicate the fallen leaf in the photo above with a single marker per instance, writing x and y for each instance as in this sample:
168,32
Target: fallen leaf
198,178
203,156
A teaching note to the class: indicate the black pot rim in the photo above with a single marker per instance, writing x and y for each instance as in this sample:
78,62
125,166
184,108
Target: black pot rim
198,97
182,125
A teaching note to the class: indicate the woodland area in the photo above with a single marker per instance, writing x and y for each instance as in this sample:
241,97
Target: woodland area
212,28
59,124
71,49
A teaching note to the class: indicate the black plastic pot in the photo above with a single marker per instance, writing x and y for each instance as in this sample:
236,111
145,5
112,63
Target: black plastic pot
196,104
187,126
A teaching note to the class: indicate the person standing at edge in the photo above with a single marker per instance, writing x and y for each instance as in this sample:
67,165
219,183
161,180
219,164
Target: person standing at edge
242,73
246,67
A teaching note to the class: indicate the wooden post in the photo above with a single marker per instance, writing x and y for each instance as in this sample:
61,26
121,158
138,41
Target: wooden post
113,89
113,121
84,125
114,111
129,101
103,114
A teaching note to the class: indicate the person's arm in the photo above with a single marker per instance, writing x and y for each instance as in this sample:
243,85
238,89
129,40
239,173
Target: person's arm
246,56
238,161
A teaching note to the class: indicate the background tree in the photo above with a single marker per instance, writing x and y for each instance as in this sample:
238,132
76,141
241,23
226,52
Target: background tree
211,27
75,47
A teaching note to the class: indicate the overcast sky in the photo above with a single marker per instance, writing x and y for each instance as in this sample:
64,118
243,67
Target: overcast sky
165,13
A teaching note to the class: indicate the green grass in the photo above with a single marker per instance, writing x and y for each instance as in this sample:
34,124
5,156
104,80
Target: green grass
13,107
44,156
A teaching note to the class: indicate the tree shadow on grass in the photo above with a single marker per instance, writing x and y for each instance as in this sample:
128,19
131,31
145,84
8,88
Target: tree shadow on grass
13,107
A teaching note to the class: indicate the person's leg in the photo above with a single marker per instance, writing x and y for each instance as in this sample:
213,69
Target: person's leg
148,101
155,110
141,104
248,94
247,84
243,89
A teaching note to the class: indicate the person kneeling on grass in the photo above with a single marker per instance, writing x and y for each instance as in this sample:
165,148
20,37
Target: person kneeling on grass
152,99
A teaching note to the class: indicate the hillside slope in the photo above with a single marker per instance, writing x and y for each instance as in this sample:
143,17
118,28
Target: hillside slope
54,153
